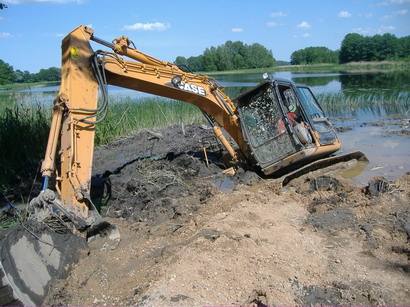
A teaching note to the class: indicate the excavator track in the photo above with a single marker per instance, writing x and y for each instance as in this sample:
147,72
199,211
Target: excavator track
322,163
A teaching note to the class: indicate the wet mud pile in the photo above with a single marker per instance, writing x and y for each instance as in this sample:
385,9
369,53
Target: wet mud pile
156,191
159,176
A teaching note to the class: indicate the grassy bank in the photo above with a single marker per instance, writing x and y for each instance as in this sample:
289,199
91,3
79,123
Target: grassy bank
338,104
349,67
20,86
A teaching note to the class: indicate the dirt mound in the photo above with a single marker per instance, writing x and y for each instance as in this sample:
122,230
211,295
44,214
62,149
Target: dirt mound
191,236
156,191
320,241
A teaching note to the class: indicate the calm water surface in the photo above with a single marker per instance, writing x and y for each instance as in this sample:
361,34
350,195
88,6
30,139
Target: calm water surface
352,84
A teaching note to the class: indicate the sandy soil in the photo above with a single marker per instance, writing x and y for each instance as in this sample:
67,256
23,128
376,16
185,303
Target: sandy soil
192,237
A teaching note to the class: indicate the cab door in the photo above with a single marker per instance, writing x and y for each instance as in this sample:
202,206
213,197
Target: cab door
316,115
261,115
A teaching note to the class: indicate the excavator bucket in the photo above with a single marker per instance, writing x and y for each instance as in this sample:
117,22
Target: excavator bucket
41,250
31,258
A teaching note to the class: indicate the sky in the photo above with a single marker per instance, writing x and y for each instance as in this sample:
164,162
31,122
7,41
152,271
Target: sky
31,30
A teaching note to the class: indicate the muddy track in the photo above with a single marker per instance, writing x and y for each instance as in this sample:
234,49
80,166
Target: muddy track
192,236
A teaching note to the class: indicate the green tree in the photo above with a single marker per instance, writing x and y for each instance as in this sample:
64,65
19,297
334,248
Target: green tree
6,73
49,74
196,63
351,49
229,56
356,47
181,61
314,55
403,47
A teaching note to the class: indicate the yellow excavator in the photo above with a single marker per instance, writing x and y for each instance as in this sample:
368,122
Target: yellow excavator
257,122
277,127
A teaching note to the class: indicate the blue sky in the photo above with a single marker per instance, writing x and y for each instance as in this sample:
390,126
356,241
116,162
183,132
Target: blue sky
31,30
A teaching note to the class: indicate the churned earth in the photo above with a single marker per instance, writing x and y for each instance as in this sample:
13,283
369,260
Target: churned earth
192,236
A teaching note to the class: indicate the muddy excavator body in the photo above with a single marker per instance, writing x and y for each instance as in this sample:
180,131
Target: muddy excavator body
273,127
284,126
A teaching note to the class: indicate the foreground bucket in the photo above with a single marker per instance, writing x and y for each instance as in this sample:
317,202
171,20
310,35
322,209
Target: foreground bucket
30,260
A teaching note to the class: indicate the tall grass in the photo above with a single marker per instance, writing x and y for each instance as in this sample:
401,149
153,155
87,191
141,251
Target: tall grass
338,104
127,115
23,132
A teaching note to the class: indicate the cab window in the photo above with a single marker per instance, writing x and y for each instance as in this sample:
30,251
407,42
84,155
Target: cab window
309,103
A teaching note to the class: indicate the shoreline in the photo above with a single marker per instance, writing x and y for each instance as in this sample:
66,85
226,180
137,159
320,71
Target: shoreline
356,67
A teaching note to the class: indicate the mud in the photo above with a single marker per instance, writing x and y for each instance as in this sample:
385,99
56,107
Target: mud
161,178
191,236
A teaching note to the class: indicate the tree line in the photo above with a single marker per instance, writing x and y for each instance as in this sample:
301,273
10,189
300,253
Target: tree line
9,75
238,55
314,55
356,47
229,56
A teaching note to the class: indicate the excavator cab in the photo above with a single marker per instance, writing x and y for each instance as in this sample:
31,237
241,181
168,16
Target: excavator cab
284,126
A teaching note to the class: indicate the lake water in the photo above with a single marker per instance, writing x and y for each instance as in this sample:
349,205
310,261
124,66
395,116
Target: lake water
348,84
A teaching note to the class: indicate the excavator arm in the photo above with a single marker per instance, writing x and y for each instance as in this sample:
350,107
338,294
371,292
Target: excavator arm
70,147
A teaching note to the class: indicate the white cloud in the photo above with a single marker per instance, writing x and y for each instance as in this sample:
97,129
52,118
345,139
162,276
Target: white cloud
148,26
384,17
401,12
272,24
304,25
396,13
278,14
344,14
304,35
384,29
5,35
365,15
371,31
43,1
237,30
392,2
59,35
360,30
